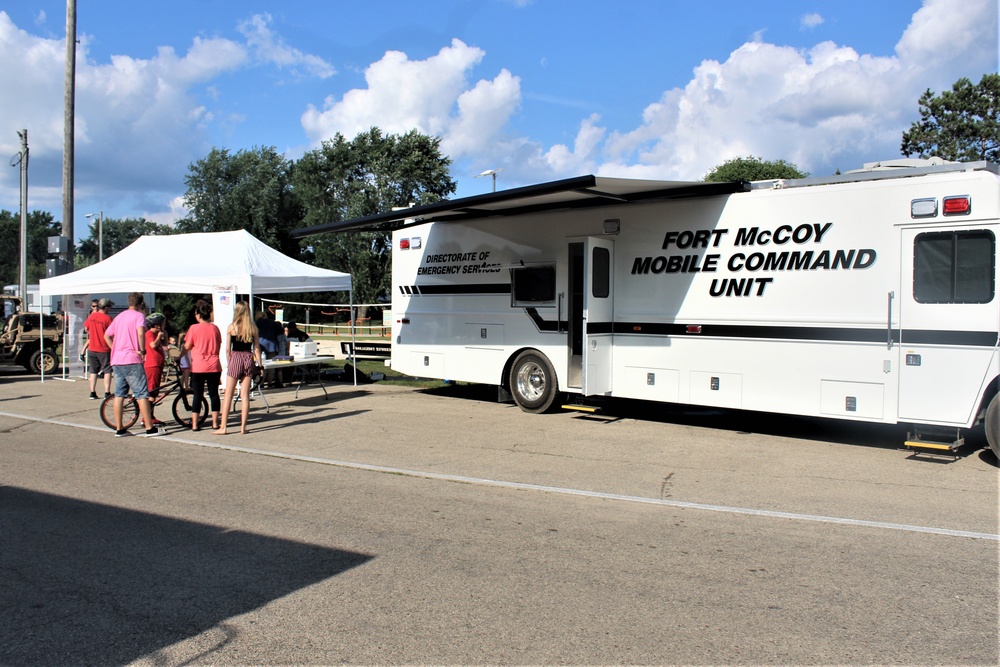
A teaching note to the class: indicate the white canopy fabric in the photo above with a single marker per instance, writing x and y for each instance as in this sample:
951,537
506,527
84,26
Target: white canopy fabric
193,263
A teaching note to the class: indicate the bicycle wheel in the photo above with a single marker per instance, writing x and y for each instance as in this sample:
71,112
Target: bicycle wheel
183,407
130,413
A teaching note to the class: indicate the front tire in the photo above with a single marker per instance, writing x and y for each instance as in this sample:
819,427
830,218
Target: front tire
43,359
993,425
533,382
182,408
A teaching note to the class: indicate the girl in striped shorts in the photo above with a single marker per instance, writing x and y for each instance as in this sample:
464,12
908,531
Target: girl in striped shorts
243,353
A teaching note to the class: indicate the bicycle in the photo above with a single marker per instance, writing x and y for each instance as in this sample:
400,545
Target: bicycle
181,409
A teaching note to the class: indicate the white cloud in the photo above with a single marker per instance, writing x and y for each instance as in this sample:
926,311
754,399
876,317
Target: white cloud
431,96
582,157
139,121
951,38
811,21
482,114
270,48
824,108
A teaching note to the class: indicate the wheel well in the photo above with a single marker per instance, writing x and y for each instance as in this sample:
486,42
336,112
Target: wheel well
25,351
992,389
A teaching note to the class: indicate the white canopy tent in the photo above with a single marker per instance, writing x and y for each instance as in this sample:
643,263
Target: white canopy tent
193,263
196,263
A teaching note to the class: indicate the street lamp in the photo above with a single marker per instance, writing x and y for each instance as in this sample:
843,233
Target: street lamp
493,173
100,234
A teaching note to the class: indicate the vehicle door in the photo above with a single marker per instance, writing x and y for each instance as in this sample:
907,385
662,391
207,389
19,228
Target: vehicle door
948,318
598,315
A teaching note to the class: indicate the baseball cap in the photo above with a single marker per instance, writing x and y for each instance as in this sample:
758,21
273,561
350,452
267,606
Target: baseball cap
105,303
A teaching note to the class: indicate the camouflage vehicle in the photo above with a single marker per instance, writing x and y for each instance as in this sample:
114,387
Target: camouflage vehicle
21,338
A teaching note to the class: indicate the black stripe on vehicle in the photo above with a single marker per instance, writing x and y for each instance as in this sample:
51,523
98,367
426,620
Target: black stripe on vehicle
747,331
461,290
969,338
600,328
545,326
833,334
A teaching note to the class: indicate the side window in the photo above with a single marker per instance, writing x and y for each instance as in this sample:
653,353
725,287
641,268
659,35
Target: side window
954,267
602,273
533,285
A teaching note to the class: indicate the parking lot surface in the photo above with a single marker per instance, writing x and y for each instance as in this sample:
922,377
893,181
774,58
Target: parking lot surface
390,525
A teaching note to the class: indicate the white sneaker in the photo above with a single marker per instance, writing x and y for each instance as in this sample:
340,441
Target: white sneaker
155,431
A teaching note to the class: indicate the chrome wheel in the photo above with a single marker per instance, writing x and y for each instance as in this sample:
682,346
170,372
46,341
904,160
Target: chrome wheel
532,382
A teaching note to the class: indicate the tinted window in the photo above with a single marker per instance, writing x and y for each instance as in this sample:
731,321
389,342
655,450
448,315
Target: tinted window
601,272
533,285
954,267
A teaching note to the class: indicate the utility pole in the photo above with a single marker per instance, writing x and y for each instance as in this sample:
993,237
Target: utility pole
69,130
22,276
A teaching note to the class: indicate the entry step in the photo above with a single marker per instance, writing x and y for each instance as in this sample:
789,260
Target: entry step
929,440
589,409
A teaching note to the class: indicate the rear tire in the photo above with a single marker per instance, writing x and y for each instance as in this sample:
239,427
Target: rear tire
993,425
130,413
533,382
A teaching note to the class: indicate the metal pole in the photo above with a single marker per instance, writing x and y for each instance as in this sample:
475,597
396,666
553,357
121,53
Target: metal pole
354,341
22,277
100,234
69,121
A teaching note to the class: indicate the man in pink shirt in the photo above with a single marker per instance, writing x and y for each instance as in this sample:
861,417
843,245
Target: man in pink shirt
127,339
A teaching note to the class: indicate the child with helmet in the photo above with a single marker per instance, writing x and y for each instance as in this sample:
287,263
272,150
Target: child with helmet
155,359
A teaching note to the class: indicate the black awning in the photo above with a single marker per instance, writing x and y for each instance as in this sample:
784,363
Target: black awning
570,193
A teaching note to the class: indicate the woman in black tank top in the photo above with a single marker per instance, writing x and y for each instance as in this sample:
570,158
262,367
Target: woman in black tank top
243,359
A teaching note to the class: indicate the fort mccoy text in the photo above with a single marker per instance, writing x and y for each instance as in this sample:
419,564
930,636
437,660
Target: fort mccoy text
795,252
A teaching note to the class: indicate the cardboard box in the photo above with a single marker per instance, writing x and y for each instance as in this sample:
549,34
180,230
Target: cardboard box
302,350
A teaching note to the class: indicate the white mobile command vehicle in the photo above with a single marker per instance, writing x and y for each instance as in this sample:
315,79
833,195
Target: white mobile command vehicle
868,296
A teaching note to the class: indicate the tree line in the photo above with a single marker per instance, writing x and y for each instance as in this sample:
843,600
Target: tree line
268,195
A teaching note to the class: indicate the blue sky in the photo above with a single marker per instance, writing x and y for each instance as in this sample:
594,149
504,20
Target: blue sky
544,89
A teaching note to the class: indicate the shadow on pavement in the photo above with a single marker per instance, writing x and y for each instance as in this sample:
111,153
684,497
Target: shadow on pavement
92,584
888,436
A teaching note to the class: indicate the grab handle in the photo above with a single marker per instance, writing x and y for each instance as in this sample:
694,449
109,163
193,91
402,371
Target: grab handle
559,313
892,295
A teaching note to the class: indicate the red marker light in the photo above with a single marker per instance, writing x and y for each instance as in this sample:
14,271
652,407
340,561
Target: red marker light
404,244
957,205
694,328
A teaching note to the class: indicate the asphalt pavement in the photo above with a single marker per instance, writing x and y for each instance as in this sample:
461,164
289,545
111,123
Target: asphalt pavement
390,525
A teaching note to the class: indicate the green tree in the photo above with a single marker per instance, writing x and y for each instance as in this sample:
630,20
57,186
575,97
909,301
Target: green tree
40,228
753,168
250,190
370,174
118,234
960,124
